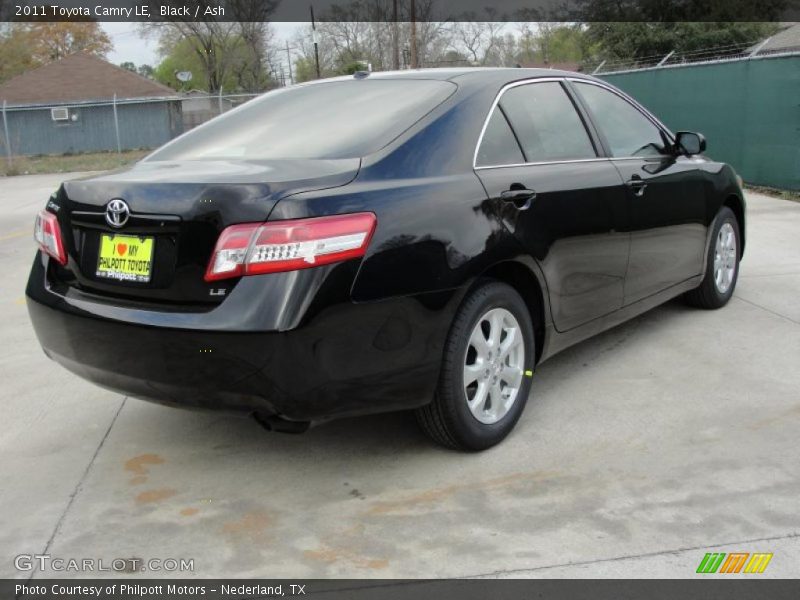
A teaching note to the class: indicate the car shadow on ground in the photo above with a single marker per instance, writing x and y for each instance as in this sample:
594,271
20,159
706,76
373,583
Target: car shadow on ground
386,434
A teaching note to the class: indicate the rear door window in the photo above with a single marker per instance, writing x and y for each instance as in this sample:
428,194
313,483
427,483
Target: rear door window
546,122
498,146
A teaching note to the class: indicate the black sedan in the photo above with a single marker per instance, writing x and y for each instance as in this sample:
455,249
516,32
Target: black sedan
413,240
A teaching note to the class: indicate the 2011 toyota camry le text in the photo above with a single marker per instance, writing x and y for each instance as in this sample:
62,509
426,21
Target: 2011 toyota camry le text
410,240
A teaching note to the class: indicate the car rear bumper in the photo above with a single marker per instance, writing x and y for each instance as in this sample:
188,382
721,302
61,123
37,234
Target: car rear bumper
346,359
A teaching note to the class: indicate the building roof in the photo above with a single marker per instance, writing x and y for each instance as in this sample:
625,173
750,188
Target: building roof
78,78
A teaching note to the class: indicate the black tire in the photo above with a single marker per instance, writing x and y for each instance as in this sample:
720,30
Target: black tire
448,419
707,295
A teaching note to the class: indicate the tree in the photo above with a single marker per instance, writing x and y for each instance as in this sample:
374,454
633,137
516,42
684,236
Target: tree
635,29
527,44
241,73
183,58
655,11
24,46
477,39
238,47
363,31
143,70
146,71
646,40
52,41
304,69
558,42
15,50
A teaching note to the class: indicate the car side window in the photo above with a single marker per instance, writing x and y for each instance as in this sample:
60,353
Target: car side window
498,145
546,123
627,131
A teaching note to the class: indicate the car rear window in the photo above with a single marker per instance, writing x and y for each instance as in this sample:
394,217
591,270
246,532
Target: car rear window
337,119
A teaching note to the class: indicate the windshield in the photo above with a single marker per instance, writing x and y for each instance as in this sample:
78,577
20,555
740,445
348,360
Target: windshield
339,119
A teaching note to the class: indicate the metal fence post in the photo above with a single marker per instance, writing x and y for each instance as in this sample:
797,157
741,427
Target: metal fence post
116,125
8,139
219,100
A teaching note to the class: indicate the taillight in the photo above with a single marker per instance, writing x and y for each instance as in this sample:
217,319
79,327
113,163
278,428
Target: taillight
47,234
256,248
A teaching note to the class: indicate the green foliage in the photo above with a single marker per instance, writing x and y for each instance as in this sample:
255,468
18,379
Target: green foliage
184,57
239,74
563,43
353,67
637,40
15,52
25,46
304,69
143,70
146,71
664,11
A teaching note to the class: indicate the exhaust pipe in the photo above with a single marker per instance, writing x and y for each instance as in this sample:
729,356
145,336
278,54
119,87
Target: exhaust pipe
281,425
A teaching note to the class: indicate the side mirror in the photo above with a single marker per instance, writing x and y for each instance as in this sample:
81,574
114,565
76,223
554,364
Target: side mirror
689,143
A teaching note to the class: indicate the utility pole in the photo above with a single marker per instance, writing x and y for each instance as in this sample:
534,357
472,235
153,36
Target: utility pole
395,38
414,55
8,139
314,34
289,59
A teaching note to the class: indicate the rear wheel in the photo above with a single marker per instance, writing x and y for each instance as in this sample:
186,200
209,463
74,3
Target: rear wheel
486,371
722,268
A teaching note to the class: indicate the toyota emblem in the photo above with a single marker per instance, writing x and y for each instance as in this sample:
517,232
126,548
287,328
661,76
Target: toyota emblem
117,213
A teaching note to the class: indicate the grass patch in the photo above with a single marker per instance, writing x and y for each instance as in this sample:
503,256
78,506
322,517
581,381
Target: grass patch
793,195
98,161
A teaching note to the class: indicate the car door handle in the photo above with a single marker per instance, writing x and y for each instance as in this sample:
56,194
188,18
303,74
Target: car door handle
637,185
520,197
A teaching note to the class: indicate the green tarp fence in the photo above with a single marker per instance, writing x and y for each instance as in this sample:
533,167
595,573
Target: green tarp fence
749,111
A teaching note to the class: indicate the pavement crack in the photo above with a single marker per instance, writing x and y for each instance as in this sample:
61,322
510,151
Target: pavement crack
579,563
764,308
79,485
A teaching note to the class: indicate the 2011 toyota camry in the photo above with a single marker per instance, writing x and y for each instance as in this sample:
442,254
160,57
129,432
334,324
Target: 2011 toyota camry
413,240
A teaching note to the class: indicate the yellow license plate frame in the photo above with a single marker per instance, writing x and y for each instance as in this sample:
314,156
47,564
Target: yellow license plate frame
125,257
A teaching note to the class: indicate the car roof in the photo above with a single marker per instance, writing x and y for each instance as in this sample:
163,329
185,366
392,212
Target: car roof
460,75
477,74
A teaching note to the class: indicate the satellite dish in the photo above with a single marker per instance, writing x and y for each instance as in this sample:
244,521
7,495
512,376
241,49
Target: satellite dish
184,76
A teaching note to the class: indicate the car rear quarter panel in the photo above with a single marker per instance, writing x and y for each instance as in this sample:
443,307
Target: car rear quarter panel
434,230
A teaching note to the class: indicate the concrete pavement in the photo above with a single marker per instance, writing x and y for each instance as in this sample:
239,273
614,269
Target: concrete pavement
641,449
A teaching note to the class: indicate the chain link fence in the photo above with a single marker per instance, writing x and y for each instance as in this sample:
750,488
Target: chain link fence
117,125
742,96
731,52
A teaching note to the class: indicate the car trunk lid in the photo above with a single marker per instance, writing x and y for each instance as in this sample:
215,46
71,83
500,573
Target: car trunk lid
175,213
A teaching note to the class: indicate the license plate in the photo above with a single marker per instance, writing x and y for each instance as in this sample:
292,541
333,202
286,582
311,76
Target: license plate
125,258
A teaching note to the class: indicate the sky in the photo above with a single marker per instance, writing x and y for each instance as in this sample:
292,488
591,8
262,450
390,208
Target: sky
131,46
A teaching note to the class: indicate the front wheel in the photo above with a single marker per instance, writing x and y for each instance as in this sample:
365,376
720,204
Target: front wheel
486,371
722,267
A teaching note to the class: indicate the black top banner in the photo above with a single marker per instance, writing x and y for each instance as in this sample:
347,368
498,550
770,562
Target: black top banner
401,10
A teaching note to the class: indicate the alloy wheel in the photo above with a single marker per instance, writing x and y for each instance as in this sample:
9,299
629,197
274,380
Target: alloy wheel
725,258
493,366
